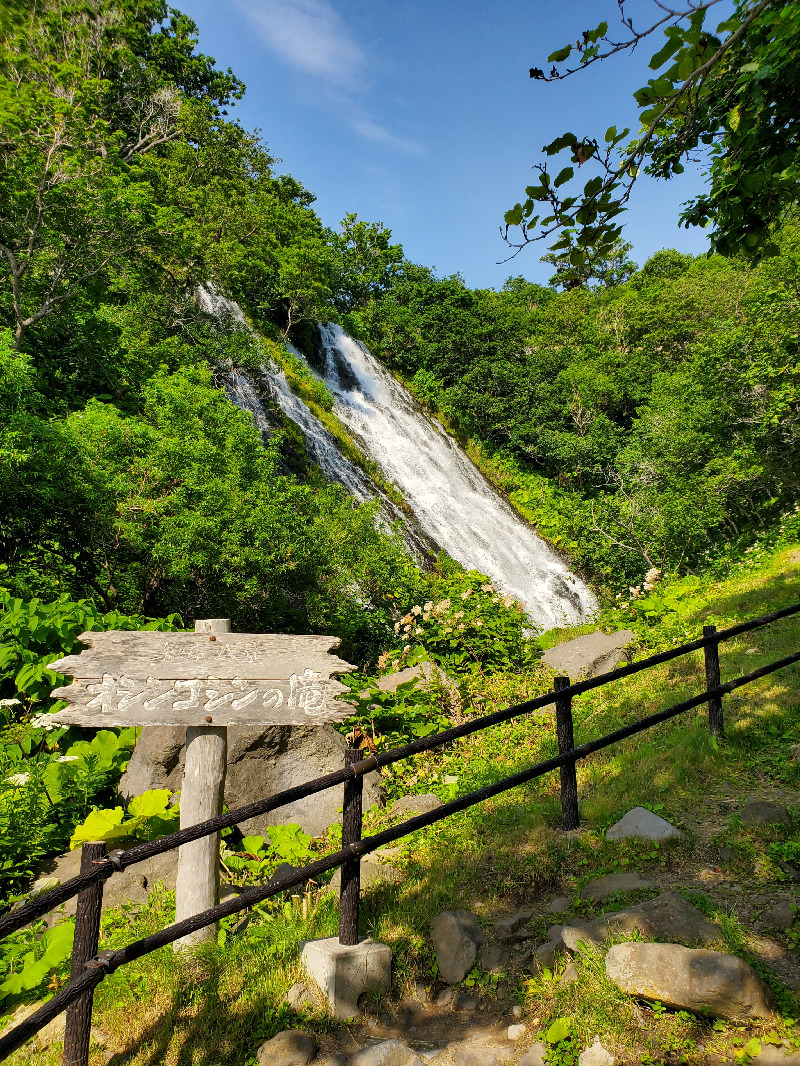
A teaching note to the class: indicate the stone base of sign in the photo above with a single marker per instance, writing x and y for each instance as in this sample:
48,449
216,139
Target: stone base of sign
344,973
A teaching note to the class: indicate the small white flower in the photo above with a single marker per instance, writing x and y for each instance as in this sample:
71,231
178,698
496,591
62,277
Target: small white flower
10,703
428,606
479,622
426,617
487,588
43,721
18,779
397,627
67,758
466,595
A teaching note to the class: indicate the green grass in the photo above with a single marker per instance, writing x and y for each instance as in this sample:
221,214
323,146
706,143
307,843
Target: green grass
509,852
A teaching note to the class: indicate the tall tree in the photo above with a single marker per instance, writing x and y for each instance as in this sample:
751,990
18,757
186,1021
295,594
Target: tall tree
732,93
86,90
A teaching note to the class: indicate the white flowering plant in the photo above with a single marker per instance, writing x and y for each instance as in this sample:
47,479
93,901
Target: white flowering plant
471,627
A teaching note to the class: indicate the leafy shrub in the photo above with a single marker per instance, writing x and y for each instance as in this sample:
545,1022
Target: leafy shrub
393,718
29,956
149,816
470,627
258,857
46,786
33,634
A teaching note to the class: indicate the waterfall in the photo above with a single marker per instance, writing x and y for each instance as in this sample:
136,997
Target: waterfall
453,503
453,506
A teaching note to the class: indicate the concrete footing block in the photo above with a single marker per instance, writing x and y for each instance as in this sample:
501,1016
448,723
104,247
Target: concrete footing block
345,972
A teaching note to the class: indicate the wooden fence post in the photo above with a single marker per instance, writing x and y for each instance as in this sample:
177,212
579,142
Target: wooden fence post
197,885
350,892
716,720
77,1032
570,818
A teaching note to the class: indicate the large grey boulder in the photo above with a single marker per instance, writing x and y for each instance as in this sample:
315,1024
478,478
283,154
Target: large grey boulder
692,979
604,887
641,824
261,762
589,655
456,937
290,1048
386,1053
667,917
130,886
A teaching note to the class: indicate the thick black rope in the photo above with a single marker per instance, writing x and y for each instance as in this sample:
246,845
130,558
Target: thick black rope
108,961
121,860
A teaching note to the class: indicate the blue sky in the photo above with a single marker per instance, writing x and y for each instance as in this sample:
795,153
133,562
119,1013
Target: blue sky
422,115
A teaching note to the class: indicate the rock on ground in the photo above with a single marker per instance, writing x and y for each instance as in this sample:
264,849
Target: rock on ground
373,873
642,824
589,655
762,812
603,887
781,916
494,958
481,1055
667,917
428,675
596,1055
456,936
507,928
535,1055
290,1048
386,1053
303,997
691,979
558,905
261,762
407,806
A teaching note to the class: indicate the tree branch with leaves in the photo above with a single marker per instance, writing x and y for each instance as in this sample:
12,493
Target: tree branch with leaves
729,97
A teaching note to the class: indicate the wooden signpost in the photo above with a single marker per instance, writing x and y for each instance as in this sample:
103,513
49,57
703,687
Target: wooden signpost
205,681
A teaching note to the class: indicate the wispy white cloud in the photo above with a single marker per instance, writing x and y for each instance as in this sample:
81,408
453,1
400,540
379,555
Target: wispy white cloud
309,34
373,131
313,38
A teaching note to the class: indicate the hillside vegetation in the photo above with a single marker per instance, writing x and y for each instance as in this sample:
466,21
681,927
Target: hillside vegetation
650,425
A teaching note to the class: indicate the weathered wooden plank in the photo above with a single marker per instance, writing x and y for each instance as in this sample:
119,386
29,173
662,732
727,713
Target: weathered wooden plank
186,656
197,886
307,698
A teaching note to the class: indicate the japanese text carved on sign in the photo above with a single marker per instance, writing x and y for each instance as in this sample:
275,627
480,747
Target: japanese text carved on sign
193,679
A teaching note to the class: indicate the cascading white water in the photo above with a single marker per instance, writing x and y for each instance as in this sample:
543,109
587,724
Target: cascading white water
452,501
454,506
321,445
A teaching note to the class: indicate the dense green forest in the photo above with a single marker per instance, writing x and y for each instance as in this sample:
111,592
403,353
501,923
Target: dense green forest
644,418
647,422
